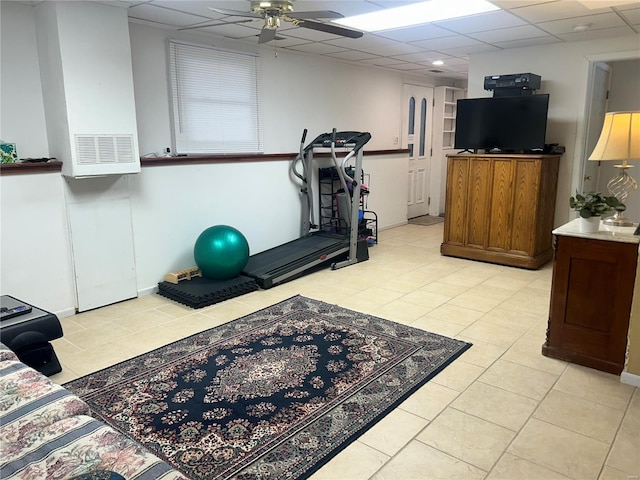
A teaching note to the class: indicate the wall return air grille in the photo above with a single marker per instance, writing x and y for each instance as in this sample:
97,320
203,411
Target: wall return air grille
104,149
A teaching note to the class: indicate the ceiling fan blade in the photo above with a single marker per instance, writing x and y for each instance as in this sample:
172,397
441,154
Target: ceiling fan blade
235,13
316,14
266,35
328,28
216,24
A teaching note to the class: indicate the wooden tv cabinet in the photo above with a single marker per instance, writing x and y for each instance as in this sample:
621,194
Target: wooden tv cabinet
499,208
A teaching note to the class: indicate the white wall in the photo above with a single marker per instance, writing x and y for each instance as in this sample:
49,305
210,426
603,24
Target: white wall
171,205
35,256
297,92
22,118
563,70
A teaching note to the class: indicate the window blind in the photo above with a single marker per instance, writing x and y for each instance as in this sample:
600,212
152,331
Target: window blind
215,103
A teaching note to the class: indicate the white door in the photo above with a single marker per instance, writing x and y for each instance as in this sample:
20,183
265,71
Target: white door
597,110
416,136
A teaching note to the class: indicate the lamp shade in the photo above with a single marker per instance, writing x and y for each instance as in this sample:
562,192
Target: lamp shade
620,137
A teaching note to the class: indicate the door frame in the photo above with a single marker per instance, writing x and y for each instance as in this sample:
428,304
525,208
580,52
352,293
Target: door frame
594,124
581,147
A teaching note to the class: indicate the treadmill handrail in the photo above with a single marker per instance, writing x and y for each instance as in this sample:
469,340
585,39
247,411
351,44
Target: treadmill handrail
339,168
306,188
299,158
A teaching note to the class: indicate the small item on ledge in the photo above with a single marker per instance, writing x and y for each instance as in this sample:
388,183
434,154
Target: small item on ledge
38,160
8,152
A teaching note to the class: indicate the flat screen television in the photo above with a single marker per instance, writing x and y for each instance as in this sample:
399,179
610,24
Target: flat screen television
505,124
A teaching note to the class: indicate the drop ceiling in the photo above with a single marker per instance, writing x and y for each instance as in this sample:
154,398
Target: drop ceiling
412,50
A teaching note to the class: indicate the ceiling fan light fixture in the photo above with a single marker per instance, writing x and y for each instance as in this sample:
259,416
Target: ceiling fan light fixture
416,14
271,22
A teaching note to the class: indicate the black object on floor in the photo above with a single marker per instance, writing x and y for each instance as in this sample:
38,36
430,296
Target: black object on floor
201,292
27,330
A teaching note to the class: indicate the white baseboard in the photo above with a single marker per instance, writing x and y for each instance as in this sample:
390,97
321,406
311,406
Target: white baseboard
147,291
67,312
389,227
630,379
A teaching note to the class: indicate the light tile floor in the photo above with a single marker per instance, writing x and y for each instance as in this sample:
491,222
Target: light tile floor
501,411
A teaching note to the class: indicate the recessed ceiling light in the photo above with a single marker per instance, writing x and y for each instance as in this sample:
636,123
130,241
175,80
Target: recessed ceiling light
415,14
437,62
582,28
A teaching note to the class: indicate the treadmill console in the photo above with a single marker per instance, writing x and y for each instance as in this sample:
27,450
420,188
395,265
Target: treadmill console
342,139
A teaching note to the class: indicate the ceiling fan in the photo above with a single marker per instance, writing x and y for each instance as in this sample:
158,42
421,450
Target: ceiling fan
272,12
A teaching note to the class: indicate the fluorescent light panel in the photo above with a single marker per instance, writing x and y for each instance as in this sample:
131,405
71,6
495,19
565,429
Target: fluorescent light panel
416,14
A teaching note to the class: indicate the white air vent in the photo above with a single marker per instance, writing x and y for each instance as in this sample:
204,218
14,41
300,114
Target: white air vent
104,149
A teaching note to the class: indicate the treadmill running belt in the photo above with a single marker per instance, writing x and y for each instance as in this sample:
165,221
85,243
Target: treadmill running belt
288,260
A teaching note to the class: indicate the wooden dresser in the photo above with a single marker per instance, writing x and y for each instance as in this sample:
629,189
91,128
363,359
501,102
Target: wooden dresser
591,296
499,208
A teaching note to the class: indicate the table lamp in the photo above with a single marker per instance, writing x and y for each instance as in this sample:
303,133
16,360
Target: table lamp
619,141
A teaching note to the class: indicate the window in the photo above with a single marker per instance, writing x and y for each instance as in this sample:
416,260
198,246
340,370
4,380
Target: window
412,123
423,125
214,97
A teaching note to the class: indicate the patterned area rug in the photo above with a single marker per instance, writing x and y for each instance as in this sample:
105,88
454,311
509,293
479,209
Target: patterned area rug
272,395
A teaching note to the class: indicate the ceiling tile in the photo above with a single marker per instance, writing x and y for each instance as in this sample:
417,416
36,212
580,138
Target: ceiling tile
409,50
230,30
317,47
368,40
550,11
381,61
407,66
351,55
481,23
595,22
394,48
528,42
471,49
632,15
596,34
188,6
347,8
164,16
440,44
510,4
426,56
508,34
596,4
410,34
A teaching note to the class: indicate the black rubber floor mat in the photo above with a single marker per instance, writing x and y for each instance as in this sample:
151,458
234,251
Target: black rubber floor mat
201,292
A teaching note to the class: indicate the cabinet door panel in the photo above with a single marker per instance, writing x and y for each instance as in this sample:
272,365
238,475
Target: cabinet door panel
457,181
591,302
479,195
501,201
525,206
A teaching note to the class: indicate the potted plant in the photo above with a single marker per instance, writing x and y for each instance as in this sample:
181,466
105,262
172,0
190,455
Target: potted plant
591,206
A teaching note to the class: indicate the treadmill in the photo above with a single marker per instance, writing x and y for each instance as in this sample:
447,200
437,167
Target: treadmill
315,247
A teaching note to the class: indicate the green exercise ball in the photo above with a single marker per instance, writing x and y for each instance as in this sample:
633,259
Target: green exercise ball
221,252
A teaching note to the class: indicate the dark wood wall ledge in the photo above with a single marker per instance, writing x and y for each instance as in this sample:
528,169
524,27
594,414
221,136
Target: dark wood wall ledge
243,158
27,167
47,167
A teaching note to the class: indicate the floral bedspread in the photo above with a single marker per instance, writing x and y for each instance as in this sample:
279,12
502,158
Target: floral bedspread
47,432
